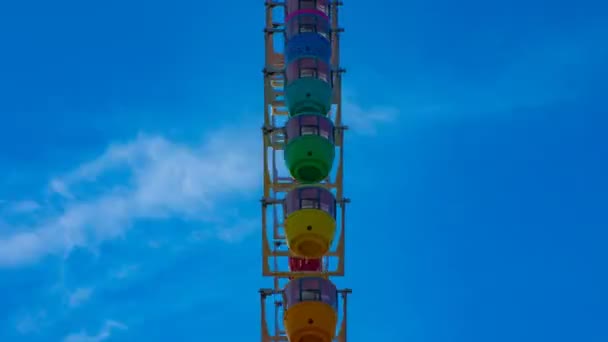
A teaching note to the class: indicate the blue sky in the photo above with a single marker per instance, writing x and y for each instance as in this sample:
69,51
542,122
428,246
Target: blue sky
476,164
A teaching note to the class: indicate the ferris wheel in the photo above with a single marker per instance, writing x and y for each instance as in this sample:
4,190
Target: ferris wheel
303,206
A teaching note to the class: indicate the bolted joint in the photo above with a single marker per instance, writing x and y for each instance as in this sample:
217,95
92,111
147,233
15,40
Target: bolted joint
341,128
273,4
268,129
345,292
268,72
266,292
266,202
344,200
273,30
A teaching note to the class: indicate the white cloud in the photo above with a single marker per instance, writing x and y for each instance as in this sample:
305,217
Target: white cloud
151,177
31,323
164,179
366,121
59,187
124,272
234,232
79,296
24,207
105,333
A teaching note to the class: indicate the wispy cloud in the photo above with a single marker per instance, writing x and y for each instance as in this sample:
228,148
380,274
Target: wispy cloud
234,232
105,333
31,323
59,187
152,177
79,296
366,120
22,207
124,271
159,179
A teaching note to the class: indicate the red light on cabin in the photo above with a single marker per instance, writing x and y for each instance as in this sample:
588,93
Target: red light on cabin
305,265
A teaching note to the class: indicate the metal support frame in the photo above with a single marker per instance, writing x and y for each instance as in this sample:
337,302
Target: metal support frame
276,185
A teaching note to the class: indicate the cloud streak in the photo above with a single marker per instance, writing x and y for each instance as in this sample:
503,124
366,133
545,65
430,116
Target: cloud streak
151,177
31,323
163,179
79,296
105,333
366,121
